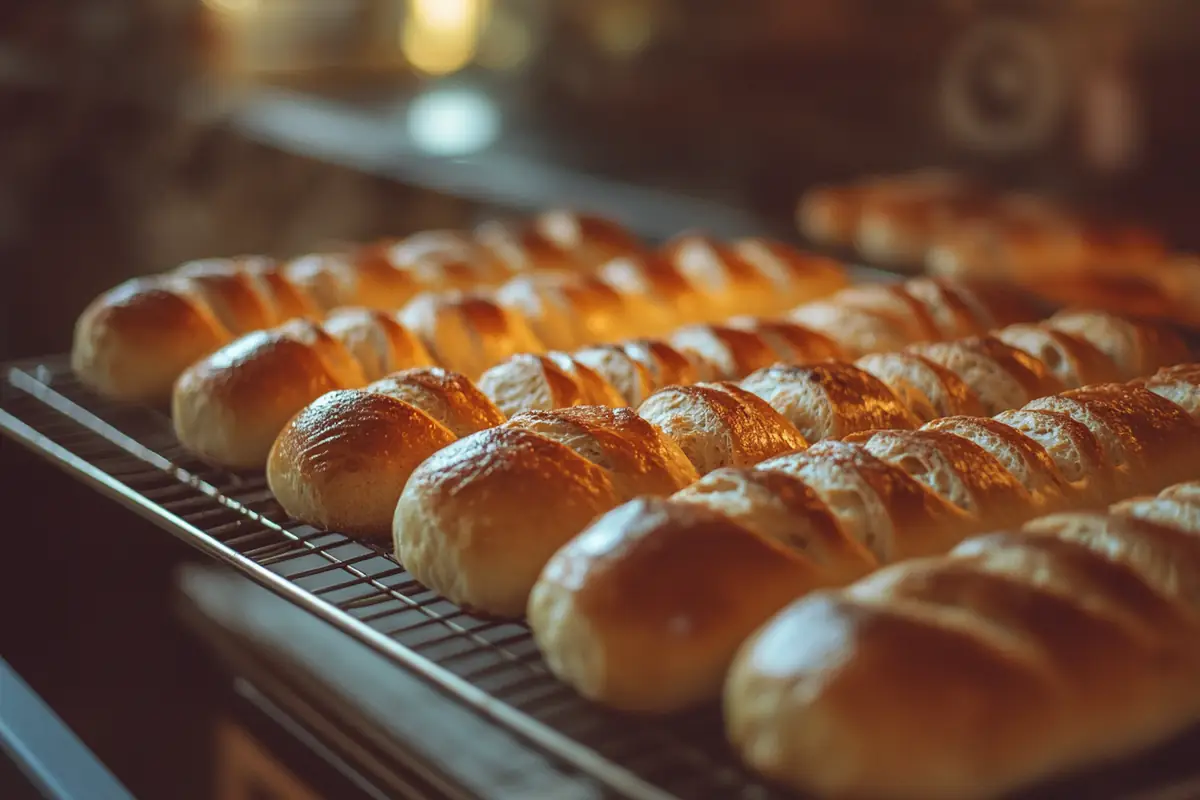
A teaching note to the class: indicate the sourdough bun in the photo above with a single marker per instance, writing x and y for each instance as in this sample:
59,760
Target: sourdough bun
720,425
731,284
660,285
589,239
791,342
1135,349
363,277
468,332
619,615
1179,384
565,310
228,408
666,365
594,387
529,382
1075,450
829,400
856,331
478,520
342,461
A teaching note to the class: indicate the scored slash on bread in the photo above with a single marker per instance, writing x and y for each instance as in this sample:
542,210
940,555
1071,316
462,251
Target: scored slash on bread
846,507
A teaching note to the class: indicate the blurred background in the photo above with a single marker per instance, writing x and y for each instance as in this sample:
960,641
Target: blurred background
137,134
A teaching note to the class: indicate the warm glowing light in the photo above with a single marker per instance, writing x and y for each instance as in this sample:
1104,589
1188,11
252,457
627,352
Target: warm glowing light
441,36
453,122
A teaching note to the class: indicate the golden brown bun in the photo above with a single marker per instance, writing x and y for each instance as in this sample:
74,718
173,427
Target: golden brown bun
468,332
529,382
1180,384
446,396
782,507
730,283
478,520
1136,349
620,615
661,286
1022,457
377,341
589,239
1002,377
521,247
1072,360
566,310
878,505
926,387
1147,440
228,407
720,425
796,277
666,365
955,313
637,457
131,343
627,375
365,277
957,469
791,342
723,353
444,260
1075,450
829,400
342,461
899,227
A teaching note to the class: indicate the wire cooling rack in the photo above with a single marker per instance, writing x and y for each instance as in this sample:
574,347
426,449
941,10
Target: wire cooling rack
130,453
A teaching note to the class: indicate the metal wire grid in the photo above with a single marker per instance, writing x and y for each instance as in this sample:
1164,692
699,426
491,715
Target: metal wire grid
493,666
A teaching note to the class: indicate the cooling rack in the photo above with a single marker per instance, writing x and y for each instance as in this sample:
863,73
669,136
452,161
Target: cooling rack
493,667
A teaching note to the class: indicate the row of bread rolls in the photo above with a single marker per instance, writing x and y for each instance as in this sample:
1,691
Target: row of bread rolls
229,406
669,382
646,608
1021,655
477,520
134,340
954,226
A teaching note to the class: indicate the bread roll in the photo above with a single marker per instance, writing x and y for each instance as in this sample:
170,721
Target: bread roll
791,342
877,504
661,286
955,313
1073,361
446,396
1077,452
377,341
641,562
1135,349
478,520
1021,457
780,506
730,283
829,400
927,388
870,318
1140,432
1177,384
228,408
590,240
1002,377
350,480
521,247
958,470
364,277
720,425
468,332
722,353
666,365
630,377
530,382
565,310
796,277
447,260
